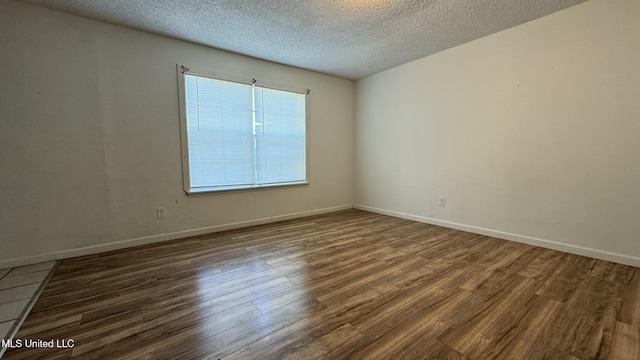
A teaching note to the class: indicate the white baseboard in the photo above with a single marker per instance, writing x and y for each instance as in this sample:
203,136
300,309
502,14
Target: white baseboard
117,245
549,244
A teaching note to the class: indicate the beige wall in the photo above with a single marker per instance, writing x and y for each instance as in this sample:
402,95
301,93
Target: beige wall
531,134
90,141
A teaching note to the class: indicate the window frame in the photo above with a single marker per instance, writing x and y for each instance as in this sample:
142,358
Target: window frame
183,70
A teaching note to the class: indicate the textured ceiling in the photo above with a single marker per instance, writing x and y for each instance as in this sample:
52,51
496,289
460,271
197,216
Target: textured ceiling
347,38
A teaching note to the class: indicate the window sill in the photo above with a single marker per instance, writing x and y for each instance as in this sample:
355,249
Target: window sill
213,191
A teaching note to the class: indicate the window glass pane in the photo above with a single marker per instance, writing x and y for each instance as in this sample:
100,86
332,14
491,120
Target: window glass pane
220,132
280,136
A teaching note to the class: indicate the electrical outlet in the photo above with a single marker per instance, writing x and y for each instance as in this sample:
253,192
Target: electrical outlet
441,200
160,212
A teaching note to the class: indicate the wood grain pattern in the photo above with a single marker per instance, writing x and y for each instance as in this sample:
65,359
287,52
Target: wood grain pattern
346,285
626,343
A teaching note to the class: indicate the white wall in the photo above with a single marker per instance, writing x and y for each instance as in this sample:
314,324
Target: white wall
531,134
90,141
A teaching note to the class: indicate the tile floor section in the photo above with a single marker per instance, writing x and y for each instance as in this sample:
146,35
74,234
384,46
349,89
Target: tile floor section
18,290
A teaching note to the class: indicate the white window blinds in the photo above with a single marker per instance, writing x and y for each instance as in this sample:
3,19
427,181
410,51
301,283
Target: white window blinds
242,136
280,136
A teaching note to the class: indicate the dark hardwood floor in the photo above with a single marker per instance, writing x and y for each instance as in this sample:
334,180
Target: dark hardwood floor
346,285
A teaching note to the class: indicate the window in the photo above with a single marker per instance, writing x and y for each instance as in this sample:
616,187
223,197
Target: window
239,135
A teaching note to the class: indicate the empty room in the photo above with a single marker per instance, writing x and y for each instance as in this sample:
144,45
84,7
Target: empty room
323,179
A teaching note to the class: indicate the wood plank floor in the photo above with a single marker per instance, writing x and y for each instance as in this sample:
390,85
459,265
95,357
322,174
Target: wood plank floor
346,285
